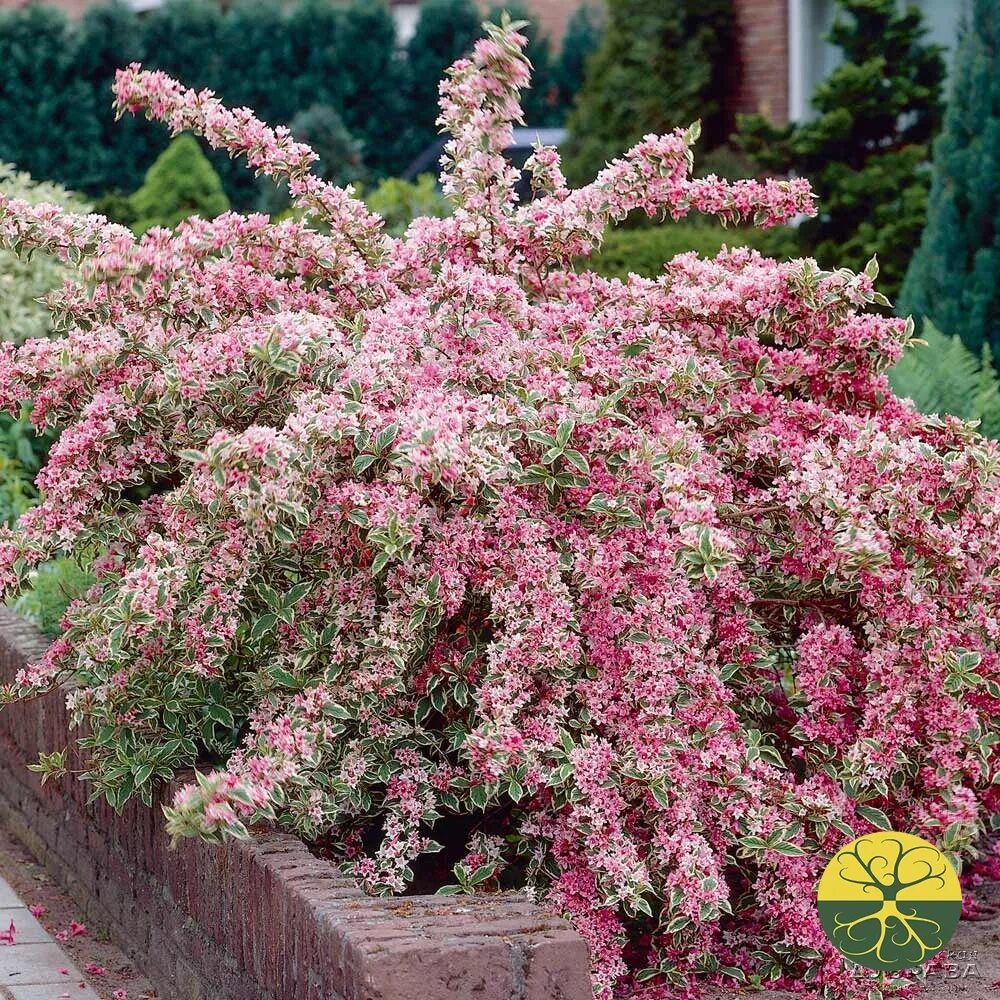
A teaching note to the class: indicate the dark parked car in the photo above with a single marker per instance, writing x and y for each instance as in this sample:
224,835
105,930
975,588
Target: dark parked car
525,140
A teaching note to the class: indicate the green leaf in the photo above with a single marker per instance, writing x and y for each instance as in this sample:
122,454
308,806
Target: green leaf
875,816
220,714
262,625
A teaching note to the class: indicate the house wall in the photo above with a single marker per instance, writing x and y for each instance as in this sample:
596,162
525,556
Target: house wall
72,7
762,52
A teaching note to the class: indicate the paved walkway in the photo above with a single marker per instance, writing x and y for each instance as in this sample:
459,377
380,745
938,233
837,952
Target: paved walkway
35,967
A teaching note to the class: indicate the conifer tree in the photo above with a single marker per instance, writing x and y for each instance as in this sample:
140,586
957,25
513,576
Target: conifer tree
865,149
180,183
660,65
446,29
954,278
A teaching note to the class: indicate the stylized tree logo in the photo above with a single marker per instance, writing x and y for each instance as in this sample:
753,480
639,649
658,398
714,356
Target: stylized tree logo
889,901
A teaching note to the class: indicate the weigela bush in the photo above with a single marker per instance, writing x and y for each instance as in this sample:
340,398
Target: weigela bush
653,584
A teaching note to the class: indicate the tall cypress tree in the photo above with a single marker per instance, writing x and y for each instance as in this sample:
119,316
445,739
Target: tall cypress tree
954,277
866,148
661,64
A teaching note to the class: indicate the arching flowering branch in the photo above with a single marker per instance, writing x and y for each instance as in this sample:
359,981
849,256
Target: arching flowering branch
628,576
653,176
268,151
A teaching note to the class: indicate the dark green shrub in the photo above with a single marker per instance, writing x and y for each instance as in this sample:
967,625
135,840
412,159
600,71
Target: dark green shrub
954,277
660,65
372,80
866,149
116,206
48,120
107,37
180,183
645,250
446,29
185,38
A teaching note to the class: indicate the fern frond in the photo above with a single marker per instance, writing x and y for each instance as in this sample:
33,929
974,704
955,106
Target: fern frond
943,376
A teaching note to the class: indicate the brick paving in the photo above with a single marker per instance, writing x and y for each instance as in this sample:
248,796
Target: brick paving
35,967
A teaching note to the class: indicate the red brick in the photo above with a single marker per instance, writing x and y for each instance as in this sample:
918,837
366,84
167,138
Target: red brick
262,919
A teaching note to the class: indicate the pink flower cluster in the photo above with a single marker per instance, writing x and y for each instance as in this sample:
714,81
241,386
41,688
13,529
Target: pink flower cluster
651,585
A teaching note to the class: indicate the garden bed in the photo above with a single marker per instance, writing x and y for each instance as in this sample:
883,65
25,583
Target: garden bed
261,919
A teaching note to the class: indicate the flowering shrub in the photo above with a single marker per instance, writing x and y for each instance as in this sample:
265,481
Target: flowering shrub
654,583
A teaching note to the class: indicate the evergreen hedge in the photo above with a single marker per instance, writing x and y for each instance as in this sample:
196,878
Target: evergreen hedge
279,58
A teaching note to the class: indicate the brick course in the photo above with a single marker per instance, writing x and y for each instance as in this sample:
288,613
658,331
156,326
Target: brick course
261,919
761,77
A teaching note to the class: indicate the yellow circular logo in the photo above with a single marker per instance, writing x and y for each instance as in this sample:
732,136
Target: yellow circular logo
889,901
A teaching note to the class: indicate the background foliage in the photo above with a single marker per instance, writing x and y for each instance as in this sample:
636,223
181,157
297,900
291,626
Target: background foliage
865,150
954,277
943,376
281,59
660,65
22,452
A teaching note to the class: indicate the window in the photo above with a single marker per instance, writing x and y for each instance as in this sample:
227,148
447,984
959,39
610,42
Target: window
405,16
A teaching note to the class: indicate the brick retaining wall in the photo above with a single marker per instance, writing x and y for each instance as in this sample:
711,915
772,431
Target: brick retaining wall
262,919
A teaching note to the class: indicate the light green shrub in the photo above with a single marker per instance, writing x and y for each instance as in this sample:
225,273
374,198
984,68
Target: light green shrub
23,316
399,202
54,585
644,251
180,183
24,282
